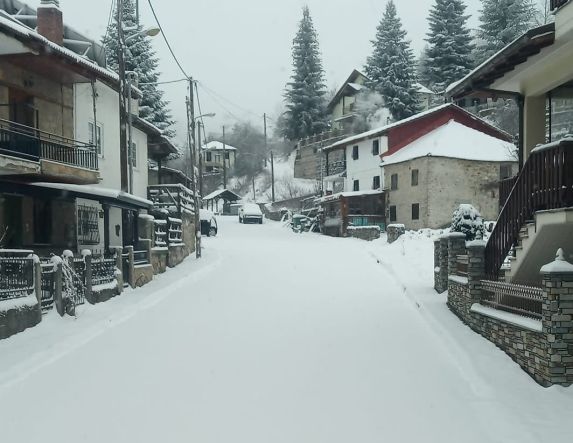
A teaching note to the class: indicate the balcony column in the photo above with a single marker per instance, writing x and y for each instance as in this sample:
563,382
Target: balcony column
106,227
533,123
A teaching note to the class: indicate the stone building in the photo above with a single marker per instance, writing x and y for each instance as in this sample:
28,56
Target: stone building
426,180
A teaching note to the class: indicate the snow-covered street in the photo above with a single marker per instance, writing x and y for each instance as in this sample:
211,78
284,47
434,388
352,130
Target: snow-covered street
274,337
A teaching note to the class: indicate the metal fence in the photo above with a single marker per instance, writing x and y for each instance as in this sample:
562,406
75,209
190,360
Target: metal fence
16,277
518,299
103,270
48,286
74,280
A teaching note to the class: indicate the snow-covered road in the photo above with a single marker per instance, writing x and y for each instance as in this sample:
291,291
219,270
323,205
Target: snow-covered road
272,337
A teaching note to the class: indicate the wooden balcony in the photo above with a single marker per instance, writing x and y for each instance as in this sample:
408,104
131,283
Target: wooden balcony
34,155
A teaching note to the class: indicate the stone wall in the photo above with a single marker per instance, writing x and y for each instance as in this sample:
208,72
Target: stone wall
18,319
177,254
367,233
394,232
159,258
543,349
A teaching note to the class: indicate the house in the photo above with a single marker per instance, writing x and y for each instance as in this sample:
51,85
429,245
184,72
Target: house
428,179
427,98
353,163
213,154
343,105
516,289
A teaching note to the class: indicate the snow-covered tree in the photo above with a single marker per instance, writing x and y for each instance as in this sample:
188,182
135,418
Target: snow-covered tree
391,67
501,22
305,94
467,220
448,54
141,58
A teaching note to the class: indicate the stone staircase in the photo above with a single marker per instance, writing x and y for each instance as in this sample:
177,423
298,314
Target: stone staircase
537,242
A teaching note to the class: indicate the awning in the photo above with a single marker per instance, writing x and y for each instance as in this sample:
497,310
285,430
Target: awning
112,197
224,194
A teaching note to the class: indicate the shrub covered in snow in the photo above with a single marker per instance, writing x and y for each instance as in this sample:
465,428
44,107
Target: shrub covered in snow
467,219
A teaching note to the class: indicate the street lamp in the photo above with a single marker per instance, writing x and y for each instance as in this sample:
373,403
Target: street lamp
147,32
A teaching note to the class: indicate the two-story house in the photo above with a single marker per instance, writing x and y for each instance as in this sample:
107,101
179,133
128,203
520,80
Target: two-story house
218,156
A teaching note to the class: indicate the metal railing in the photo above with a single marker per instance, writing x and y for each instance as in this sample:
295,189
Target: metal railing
103,270
505,187
176,198
545,182
517,299
32,144
16,277
48,286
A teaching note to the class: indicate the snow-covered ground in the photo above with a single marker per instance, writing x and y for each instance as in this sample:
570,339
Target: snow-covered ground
275,337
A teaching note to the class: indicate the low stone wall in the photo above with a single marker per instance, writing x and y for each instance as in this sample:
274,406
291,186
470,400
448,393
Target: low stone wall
543,349
177,254
159,258
142,274
20,318
368,233
394,232
103,293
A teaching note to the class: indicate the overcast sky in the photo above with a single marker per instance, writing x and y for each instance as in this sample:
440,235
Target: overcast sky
241,49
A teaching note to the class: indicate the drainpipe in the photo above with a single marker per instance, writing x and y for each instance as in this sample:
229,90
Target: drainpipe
520,142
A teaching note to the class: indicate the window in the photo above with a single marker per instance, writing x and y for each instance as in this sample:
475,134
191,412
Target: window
356,186
88,225
414,177
208,157
375,147
133,154
355,152
227,155
394,182
217,158
298,155
504,172
376,182
393,213
94,133
416,211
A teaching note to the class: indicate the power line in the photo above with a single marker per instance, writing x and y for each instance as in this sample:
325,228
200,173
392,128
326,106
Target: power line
167,41
230,102
167,82
109,20
200,113
222,105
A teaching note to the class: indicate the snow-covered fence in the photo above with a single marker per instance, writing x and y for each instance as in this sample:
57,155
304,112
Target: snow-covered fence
519,299
160,229
103,270
16,277
176,199
175,231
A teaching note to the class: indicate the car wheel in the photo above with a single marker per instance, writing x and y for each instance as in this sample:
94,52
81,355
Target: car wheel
212,232
260,221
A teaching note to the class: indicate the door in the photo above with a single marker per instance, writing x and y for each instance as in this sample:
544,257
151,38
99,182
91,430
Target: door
11,222
24,138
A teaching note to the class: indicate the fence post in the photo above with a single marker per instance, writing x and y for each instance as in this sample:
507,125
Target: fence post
119,268
130,277
58,285
456,246
476,269
557,319
88,275
443,276
37,279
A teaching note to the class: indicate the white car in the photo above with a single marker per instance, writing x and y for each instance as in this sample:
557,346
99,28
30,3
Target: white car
250,213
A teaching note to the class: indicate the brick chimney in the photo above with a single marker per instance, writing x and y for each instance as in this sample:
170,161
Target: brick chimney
50,21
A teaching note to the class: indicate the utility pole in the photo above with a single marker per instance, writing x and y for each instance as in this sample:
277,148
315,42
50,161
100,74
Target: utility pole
122,107
272,160
224,161
200,154
130,150
192,145
137,11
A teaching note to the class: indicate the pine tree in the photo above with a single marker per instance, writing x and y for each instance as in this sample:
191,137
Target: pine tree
141,58
391,67
502,21
448,55
305,103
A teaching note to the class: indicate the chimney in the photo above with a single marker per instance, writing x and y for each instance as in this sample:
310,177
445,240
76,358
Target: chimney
50,21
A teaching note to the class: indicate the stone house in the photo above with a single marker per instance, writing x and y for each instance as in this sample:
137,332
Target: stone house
213,154
429,178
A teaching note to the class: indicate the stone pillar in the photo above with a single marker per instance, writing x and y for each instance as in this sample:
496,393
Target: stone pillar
437,285
37,278
89,274
557,320
443,276
456,246
476,270
58,285
119,268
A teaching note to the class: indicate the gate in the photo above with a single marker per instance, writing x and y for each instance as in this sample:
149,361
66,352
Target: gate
48,286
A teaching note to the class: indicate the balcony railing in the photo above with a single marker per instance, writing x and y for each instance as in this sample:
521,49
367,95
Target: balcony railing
555,4
29,143
545,182
176,199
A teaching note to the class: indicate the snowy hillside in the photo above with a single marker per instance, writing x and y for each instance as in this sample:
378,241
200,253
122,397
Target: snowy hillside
286,186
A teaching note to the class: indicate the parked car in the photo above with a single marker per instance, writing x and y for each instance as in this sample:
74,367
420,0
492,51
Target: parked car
208,223
250,213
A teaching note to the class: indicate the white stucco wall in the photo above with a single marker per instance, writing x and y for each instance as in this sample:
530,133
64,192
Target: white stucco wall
140,171
107,104
367,166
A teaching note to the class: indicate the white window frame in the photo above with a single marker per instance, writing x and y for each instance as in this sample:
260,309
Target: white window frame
92,137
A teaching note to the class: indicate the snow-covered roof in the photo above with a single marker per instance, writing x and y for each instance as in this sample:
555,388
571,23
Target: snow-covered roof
220,192
455,140
97,191
350,81
378,132
423,90
356,86
218,146
27,35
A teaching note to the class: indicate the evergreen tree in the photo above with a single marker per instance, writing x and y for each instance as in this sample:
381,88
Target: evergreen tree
305,94
448,55
502,21
391,67
141,58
